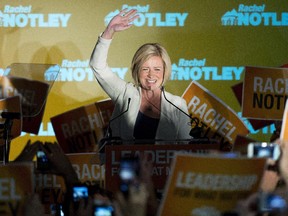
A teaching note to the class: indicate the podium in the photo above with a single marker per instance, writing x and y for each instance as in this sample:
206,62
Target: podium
160,157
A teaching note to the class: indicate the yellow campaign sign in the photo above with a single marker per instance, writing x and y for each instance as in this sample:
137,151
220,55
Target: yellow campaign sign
216,119
16,182
265,91
209,185
284,127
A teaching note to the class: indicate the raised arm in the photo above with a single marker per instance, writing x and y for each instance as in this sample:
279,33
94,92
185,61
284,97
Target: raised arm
120,22
109,81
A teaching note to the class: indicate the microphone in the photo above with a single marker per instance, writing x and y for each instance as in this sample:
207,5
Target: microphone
108,135
196,131
109,130
11,115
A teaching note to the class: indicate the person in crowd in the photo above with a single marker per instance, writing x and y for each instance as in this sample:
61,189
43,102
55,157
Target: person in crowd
142,198
141,201
252,205
59,165
143,109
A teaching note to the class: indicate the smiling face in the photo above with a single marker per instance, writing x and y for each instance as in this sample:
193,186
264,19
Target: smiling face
147,55
151,73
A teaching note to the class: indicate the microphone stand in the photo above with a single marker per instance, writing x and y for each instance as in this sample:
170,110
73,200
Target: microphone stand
7,126
196,131
108,137
6,136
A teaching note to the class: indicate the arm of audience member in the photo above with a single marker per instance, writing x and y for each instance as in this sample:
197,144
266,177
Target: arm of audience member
29,151
84,208
283,161
60,163
145,178
135,203
270,176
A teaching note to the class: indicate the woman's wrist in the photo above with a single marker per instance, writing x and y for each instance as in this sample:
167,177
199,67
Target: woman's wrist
108,33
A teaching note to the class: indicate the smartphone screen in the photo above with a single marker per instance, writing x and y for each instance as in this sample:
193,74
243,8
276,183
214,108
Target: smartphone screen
103,210
269,150
129,173
80,192
269,202
42,161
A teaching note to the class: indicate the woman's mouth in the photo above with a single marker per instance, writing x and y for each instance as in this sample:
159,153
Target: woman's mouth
151,81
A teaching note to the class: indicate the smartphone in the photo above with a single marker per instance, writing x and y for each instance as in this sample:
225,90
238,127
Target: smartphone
103,210
129,173
269,202
80,192
263,149
42,161
56,209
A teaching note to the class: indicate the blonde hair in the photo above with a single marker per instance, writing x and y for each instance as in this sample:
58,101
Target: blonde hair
145,52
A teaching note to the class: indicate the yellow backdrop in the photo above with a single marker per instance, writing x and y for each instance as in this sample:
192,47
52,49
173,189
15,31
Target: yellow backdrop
208,41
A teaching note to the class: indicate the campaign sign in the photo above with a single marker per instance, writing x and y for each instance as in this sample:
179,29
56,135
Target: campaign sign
209,185
16,182
159,156
216,119
79,130
255,123
264,92
88,168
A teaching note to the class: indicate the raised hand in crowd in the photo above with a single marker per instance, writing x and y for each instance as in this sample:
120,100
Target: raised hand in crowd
135,203
59,162
283,162
61,165
84,207
28,152
141,198
120,22
271,184
146,179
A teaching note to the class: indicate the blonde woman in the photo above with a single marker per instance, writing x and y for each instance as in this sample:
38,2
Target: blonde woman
143,110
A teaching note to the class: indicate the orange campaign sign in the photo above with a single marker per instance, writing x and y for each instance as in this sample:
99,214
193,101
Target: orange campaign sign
14,188
79,130
265,91
87,167
209,185
215,118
